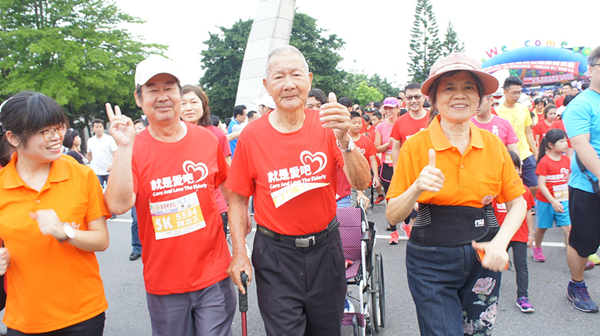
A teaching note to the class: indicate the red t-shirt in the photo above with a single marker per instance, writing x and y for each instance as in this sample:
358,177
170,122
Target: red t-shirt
224,143
540,117
364,127
500,211
407,126
184,246
541,128
557,176
367,148
291,175
559,101
343,187
371,133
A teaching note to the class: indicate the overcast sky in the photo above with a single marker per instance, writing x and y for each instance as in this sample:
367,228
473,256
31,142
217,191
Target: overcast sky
376,32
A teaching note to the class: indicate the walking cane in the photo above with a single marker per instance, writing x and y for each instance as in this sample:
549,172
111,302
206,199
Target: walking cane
244,302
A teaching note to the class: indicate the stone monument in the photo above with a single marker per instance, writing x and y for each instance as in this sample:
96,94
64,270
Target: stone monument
271,28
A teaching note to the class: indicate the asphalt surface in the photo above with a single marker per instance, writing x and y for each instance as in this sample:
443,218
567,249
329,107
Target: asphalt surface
554,315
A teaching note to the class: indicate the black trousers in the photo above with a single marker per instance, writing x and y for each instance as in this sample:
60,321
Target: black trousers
91,327
301,291
520,259
385,173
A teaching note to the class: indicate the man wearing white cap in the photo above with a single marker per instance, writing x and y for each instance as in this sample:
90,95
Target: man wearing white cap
185,253
265,104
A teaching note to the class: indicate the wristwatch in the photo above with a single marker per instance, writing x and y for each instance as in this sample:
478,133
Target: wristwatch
350,146
69,231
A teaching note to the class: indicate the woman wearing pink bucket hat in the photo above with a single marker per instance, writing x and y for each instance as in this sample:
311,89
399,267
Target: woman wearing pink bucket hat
454,170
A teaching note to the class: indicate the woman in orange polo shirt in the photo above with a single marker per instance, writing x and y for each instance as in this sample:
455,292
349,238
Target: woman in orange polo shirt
52,220
454,170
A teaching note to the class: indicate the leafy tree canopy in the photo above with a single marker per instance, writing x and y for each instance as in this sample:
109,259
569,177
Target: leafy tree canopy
365,93
71,51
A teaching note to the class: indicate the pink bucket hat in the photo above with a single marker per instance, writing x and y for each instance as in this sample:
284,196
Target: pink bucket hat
458,62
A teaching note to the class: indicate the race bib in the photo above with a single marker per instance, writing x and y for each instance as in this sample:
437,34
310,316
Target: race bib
283,195
388,157
561,192
177,217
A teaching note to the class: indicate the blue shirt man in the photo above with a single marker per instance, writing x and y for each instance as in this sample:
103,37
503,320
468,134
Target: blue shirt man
239,116
582,122
583,116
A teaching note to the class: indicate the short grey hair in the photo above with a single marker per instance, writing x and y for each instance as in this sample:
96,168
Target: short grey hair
594,56
285,50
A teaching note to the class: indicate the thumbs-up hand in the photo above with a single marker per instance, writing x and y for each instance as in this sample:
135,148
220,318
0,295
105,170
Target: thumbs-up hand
4,260
335,116
431,178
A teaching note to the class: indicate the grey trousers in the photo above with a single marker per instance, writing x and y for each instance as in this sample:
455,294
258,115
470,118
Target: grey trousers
208,311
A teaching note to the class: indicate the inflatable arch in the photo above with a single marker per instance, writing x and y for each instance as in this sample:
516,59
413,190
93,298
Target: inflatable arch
540,64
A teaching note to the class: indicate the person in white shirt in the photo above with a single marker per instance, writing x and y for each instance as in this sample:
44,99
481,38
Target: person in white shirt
100,149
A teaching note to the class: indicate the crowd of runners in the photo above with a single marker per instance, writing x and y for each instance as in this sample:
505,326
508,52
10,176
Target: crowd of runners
467,166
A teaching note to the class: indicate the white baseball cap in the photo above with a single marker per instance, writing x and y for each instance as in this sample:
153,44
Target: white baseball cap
265,100
153,66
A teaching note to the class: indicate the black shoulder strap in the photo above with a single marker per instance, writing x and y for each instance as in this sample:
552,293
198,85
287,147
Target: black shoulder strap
584,171
579,163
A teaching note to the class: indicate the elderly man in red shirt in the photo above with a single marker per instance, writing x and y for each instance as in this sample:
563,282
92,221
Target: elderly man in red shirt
297,253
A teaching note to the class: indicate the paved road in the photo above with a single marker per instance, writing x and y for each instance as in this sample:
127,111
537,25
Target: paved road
128,314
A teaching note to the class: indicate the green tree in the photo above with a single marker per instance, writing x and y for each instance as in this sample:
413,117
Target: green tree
365,93
71,51
424,43
222,61
451,43
320,53
383,86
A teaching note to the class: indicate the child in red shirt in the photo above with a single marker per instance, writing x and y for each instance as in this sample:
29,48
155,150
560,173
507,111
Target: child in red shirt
552,197
367,149
519,243
542,127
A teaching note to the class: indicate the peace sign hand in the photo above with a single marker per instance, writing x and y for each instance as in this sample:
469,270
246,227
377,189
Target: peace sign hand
121,126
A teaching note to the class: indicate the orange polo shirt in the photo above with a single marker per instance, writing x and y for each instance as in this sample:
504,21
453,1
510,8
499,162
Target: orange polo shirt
50,285
484,172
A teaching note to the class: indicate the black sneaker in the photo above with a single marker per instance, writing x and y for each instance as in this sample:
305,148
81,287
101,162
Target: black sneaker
134,256
577,293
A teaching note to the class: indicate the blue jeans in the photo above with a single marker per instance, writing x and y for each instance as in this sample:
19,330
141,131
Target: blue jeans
103,179
135,238
453,293
344,202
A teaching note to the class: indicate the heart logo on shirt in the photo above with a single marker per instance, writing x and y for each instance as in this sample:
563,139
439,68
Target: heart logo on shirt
193,168
308,158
